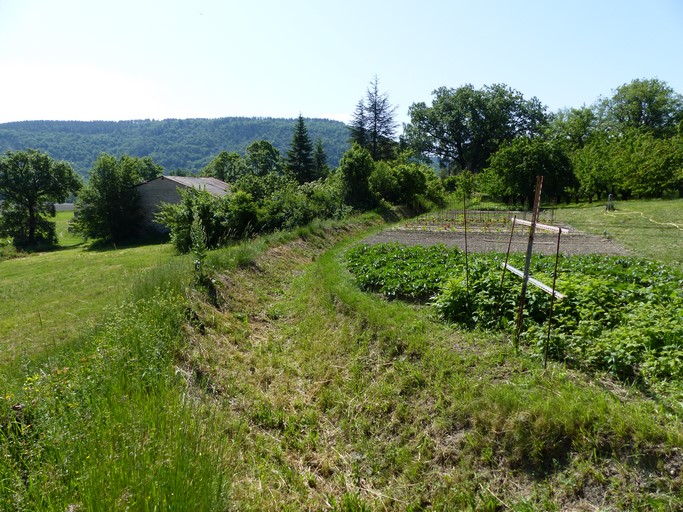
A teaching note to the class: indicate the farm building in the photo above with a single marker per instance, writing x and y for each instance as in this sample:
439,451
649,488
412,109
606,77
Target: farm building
165,190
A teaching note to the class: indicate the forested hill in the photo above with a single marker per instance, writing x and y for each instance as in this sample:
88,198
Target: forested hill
176,144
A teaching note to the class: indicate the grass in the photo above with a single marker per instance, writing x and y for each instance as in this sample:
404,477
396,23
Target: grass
48,299
652,229
297,391
345,401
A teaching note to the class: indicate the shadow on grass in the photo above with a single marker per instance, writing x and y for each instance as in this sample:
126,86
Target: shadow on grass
109,245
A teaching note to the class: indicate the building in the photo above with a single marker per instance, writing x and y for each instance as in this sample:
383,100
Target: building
165,189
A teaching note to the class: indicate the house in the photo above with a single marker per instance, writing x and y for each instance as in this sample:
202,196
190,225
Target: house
165,190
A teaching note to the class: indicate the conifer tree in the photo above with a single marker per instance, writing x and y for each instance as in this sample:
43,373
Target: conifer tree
373,126
320,160
300,154
359,125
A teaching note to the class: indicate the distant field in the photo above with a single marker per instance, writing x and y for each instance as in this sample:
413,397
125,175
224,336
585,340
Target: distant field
651,229
48,299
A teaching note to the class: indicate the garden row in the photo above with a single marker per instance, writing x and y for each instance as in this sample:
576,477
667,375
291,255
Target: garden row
622,315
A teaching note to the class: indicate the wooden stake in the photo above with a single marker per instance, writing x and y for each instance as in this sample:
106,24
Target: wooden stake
552,300
527,263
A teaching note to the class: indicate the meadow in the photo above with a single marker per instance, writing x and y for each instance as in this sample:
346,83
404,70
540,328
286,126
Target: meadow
49,299
284,386
651,229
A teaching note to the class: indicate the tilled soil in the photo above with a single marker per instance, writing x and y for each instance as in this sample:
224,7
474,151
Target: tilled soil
481,241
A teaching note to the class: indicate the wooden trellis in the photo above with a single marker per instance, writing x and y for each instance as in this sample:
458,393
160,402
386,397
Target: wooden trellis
524,274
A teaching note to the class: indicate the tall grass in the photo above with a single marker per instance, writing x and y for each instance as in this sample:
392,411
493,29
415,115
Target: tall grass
300,392
113,426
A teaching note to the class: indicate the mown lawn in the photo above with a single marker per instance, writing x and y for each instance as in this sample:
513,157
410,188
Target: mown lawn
651,229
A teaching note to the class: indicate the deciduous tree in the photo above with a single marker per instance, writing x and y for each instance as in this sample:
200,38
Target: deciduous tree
30,183
108,207
514,168
355,169
463,127
649,105
263,158
225,166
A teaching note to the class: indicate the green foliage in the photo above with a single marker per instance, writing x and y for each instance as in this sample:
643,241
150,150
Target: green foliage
373,125
632,163
228,167
196,208
513,169
263,158
198,238
300,155
400,271
399,183
30,183
257,205
108,207
355,169
463,127
176,144
650,106
320,167
621,315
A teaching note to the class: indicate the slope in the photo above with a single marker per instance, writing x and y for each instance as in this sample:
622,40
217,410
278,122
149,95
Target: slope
176,144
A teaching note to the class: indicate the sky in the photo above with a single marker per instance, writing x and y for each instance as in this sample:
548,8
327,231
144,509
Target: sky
159,59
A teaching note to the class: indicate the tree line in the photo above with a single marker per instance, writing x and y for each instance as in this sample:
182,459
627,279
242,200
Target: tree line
181,146
269,191
490,139
630,144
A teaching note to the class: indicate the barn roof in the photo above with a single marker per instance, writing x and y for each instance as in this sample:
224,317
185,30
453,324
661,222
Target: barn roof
213,186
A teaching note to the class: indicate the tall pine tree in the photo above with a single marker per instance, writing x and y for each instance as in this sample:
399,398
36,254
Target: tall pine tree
373,124
300,155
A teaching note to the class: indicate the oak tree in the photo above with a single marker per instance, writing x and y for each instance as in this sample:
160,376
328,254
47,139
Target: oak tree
31,182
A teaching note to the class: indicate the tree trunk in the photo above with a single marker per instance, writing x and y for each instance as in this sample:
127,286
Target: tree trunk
31,225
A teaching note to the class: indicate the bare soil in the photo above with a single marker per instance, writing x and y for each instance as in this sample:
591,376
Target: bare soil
483,240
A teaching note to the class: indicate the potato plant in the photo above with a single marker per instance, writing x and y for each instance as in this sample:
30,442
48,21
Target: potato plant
621,315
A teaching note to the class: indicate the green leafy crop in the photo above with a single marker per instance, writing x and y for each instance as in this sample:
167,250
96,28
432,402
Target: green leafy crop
622,315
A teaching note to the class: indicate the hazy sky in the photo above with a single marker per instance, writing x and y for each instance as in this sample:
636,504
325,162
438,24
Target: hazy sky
140,59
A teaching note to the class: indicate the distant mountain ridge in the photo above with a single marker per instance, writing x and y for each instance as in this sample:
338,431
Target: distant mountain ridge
176,144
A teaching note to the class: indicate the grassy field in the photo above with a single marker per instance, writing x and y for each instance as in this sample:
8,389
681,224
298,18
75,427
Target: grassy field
651,229
290,389
48,299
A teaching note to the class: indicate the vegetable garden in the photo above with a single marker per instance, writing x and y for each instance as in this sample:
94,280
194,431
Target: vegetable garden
621,314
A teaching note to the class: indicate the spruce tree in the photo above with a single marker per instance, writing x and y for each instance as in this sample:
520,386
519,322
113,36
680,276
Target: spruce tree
381,123
373,126
320,167
359,126
300,154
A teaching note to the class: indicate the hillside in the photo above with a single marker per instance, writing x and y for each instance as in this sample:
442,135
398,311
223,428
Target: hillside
176,144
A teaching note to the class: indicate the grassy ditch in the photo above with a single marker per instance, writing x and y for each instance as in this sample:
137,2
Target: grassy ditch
341,400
